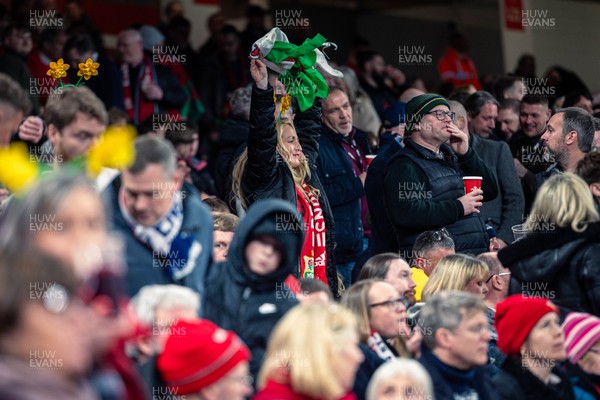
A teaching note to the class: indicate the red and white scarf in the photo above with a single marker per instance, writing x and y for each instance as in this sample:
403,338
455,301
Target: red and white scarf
378,345
141,108
313,258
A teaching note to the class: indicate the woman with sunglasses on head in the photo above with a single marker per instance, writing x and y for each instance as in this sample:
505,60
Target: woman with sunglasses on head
381,314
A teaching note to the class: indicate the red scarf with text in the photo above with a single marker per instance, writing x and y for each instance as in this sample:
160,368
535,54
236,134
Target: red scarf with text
142,108
313,258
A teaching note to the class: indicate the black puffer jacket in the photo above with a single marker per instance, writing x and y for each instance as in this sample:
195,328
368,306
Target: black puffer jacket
266,176
561,265
250,304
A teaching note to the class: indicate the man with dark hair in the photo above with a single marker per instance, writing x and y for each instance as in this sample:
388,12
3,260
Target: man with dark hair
107,86
508,118
568,138
525,145
223,72
167,229
51,43
371,68
579,99
75,118
14,105
506,209
482,110
509,87
13,62
342,167
423,183
588,168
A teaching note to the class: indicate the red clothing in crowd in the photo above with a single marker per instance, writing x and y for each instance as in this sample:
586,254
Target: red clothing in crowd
458,69
277,391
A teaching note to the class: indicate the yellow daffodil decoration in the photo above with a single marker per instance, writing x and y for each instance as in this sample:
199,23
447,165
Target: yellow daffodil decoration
17,171
58,70
114,149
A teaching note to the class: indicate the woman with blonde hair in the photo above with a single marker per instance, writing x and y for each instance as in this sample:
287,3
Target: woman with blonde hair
558,258
300,366
280,162
458,272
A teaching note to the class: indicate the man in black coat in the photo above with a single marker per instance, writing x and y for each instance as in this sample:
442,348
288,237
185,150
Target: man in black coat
342,171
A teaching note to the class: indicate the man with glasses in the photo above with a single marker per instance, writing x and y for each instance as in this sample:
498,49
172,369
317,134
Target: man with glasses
455,345
497,284
423,184
506,210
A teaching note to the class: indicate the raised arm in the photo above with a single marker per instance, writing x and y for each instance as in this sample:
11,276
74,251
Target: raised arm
262,138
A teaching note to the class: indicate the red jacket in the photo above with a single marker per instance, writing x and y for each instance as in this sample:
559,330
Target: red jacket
280,391
458,69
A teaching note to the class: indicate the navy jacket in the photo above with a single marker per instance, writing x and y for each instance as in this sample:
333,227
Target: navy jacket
383,237
442,376
249,304
344,190
142,268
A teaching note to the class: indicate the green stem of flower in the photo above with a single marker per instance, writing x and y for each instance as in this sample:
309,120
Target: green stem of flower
80,78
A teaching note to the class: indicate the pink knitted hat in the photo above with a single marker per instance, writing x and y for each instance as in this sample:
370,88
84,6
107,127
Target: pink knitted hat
582,331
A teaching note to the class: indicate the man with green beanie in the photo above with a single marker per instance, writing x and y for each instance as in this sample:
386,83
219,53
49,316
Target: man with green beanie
423,185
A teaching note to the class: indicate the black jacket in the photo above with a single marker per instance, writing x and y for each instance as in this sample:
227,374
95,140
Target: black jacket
444,376
234,135
344,190
383,237
559,264
266,176
514,382
250,304
422,191
365,371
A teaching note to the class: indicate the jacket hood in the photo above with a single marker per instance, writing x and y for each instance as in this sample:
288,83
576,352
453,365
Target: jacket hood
273,217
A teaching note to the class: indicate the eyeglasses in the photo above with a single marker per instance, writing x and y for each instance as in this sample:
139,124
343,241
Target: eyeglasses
438,236
441,114
500,274
391,304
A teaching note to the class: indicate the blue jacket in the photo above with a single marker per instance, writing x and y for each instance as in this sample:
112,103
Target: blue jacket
250,304
142,268
344,190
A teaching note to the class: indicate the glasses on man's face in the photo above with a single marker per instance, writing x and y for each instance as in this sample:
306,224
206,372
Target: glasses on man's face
441,114
391,304
439,235
500,274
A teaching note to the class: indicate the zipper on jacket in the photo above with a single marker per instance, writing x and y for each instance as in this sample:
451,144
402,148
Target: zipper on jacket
242,310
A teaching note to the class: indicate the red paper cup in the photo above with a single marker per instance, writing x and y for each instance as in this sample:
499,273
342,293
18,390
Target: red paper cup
472,183
370,158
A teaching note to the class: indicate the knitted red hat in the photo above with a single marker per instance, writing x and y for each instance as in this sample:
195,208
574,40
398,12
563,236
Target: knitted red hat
515,318
197,354
582,331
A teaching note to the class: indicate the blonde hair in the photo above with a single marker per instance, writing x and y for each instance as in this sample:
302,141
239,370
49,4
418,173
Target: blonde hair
564,200
294,354
300,174
356,299
454,272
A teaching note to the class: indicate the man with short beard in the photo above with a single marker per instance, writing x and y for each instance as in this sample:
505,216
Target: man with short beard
568,138
371,67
